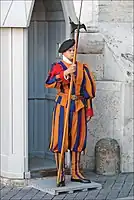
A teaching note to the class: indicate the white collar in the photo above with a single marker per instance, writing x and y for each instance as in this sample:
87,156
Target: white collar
66,60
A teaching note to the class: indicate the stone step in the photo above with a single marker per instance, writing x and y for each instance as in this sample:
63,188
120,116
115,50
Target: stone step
48,185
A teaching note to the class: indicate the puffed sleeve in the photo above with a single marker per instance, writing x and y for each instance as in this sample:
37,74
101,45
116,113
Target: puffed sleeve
56,75
90,90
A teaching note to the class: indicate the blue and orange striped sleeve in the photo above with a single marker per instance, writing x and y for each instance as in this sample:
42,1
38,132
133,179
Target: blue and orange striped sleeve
56,75
90,89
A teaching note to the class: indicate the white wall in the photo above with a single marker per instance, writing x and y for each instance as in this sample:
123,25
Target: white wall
13,128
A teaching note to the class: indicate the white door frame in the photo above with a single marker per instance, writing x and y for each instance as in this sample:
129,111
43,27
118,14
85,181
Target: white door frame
26,167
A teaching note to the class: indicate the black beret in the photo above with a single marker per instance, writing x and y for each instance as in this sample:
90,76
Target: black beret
67,44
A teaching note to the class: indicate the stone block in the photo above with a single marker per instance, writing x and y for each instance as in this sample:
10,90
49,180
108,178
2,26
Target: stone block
90,43
106,108
95,62
107,155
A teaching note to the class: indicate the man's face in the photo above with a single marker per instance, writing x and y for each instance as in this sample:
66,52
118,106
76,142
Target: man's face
69,53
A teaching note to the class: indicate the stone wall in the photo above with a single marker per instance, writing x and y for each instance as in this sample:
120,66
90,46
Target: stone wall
113,105
111,121
89,13
115,11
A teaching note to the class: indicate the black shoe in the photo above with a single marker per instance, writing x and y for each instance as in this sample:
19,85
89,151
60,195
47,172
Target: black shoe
61,184
81,180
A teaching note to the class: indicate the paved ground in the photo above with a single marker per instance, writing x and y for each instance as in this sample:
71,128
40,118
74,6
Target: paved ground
114,187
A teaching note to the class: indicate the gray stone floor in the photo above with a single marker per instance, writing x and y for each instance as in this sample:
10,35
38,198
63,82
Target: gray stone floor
119,187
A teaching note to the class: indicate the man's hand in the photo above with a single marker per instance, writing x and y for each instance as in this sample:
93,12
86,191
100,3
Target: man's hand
70,70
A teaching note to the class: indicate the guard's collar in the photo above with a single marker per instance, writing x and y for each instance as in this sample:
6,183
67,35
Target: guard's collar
66,60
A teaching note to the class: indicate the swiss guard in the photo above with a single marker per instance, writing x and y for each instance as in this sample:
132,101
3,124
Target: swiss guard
80,110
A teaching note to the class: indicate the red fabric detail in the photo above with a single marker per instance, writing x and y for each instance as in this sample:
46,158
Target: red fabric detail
89,112
57,70
62,75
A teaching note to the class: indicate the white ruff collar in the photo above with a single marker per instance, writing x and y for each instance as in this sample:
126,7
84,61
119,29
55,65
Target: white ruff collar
66,60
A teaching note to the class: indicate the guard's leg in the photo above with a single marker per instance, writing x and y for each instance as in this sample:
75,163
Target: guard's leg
60,182
76,174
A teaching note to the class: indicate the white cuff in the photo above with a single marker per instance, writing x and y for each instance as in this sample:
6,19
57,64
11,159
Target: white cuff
66,77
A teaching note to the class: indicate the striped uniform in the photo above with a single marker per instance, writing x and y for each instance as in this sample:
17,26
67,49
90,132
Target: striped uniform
83,87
